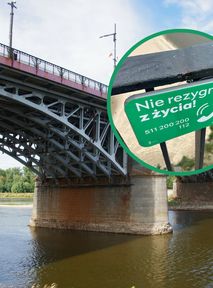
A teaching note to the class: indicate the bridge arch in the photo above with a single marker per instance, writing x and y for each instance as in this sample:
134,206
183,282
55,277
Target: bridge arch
57,136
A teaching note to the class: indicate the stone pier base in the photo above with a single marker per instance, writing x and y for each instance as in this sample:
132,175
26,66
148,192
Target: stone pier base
137,205
194,195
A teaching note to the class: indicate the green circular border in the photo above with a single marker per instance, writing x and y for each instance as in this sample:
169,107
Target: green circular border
120,140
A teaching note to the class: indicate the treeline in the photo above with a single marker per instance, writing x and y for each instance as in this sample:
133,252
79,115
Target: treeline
17,180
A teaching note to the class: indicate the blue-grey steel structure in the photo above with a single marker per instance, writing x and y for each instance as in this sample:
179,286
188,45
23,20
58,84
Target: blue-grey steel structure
55,129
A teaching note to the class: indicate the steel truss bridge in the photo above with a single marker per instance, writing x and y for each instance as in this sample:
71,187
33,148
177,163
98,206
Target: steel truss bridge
54,121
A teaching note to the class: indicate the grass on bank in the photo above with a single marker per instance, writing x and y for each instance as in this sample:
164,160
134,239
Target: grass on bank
174,201
16,195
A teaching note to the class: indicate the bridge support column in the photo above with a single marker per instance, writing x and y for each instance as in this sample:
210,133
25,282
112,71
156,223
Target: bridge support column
194,195
136,205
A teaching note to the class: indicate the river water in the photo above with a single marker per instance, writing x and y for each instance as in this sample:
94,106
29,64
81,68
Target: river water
75,259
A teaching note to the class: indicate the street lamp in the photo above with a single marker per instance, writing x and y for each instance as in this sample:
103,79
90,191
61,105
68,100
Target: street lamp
114,41
12,5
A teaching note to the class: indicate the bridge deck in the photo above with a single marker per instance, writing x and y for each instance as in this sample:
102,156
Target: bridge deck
24,66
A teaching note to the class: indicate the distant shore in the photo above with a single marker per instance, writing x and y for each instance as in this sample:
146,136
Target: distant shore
10,195
16,206
177,204
16,200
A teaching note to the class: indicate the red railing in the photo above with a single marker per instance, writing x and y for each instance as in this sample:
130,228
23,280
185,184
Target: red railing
49,68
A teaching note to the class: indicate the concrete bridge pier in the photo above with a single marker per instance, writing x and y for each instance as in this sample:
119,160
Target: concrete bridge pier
135,204
195,192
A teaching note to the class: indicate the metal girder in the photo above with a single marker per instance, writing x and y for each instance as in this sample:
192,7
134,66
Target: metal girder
9,151
54,147
31,155
77,136
10,145
30,127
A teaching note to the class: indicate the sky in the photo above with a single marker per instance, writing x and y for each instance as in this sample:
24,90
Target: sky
67,32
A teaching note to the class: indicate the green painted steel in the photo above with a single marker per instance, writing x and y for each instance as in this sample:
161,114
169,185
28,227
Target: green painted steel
168,113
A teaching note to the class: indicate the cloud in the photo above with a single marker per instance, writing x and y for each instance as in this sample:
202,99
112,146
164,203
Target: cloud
196,14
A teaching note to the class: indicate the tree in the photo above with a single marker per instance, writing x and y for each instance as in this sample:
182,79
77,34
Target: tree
186,163
17,180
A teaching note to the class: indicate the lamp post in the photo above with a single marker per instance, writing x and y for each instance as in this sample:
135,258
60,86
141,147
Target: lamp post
12,5
114,41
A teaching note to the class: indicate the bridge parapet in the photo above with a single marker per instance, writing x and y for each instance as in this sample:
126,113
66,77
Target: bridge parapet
37,66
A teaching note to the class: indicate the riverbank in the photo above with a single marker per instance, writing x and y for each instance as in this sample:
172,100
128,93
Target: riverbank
10,195
16,200
30,205
175,204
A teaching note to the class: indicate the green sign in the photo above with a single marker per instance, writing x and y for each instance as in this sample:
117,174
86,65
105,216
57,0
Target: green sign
165,114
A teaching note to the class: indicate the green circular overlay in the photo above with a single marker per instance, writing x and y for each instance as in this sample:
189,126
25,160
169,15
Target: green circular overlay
119,138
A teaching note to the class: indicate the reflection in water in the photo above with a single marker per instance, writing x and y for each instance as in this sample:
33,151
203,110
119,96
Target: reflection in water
88,259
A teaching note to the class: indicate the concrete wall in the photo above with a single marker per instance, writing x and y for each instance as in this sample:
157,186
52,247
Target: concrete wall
136,205
198,194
